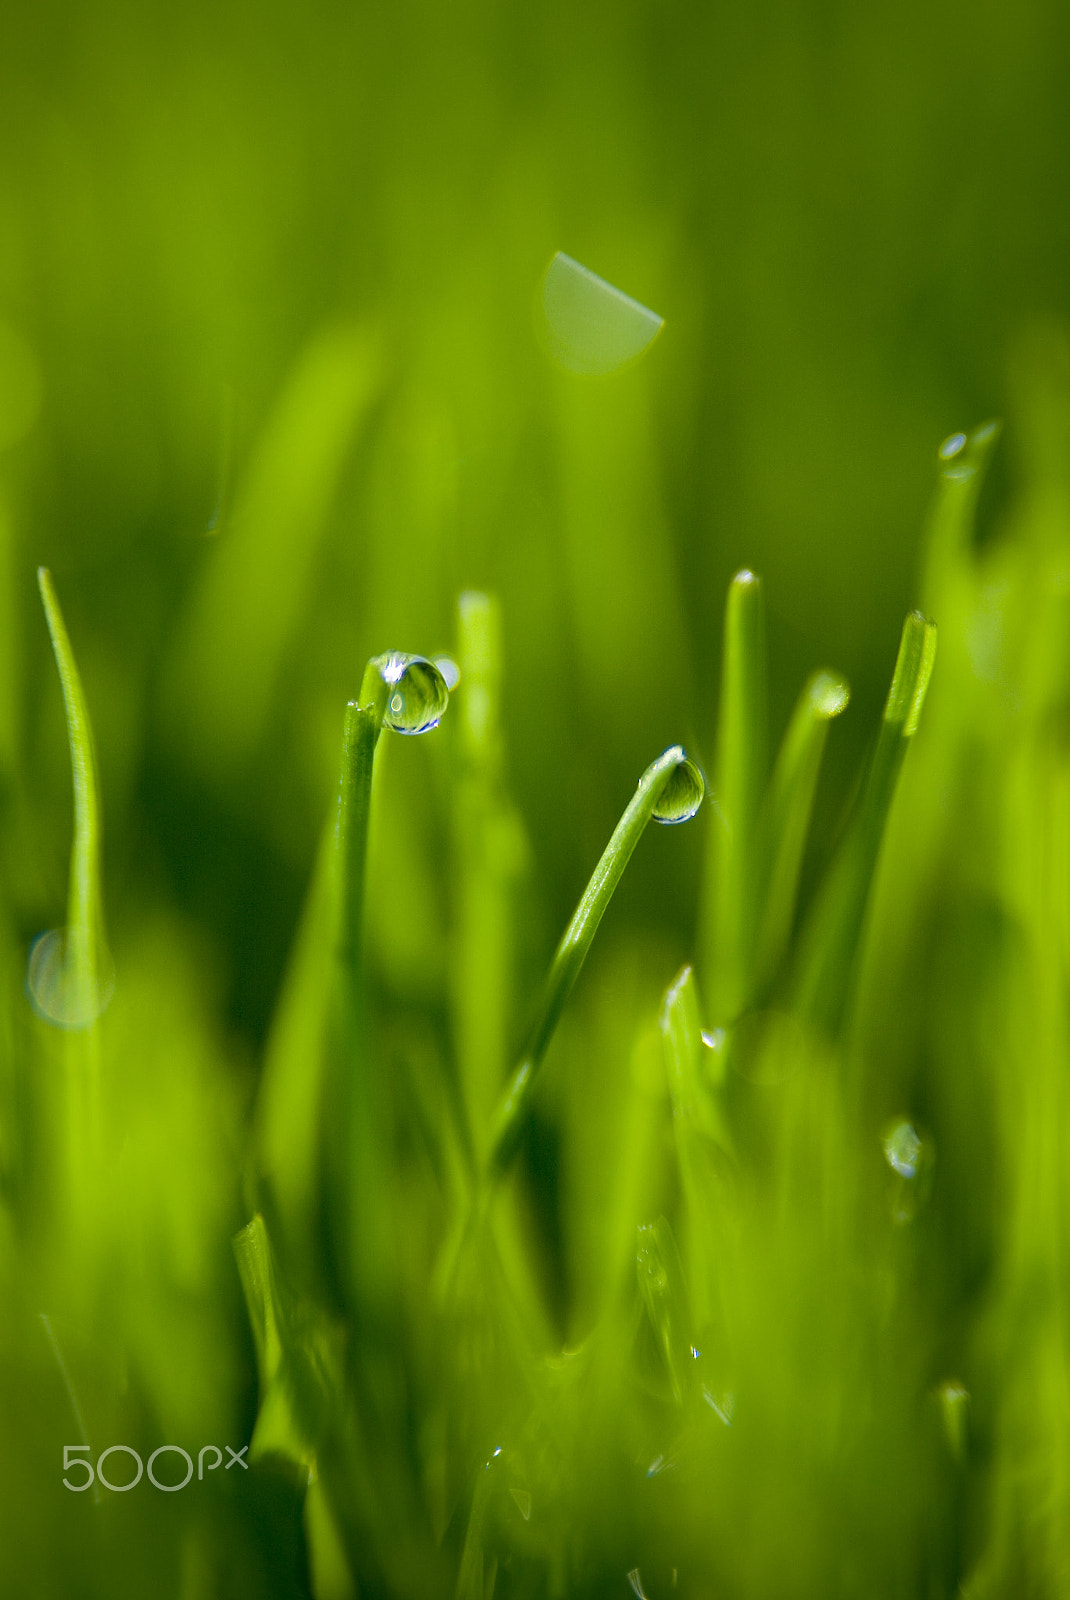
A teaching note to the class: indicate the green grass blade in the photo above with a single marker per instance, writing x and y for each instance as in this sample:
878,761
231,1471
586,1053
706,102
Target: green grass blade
489,849
964,460
355,1176
785,819
830,940
289,1114
700,1130
662,786
70,978
739,779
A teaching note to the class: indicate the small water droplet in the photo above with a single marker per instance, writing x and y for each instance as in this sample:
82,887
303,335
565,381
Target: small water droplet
952,446
695,1354
56,990
682,794
420,692
713,1038
591,327
829,694
902,1149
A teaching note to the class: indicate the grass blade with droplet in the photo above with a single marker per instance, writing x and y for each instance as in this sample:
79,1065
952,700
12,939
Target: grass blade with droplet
661,778
785,819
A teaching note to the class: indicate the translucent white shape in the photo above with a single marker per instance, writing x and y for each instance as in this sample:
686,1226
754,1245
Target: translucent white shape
57,990
593,328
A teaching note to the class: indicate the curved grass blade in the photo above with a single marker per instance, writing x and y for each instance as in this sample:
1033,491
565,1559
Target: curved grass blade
659,788
729,908
69,972
830,941
785,819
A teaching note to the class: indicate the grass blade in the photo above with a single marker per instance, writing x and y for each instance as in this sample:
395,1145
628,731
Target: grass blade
490,848
69,974
830,940
728,909
785,819
664,788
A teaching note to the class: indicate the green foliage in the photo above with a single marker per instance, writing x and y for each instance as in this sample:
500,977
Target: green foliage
751,1330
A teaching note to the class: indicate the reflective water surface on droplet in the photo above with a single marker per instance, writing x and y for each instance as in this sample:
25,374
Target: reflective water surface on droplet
419,693
449,670
56,990
593,328
952,446
682,794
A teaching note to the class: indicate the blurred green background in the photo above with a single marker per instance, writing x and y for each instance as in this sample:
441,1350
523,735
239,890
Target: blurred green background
845,215
271,396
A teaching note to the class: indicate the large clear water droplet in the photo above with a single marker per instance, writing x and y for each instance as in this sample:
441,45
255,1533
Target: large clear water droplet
682,794
592,328
417,692
57,990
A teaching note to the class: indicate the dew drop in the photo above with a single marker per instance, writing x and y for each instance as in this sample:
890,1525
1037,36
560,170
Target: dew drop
57,990
952,446
591,327
682,794
419,692
902,1149
829,694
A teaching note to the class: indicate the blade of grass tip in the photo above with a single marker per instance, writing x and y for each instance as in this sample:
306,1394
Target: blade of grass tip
739,778
82,990
964,459
785,819
830,941
670,790
68,971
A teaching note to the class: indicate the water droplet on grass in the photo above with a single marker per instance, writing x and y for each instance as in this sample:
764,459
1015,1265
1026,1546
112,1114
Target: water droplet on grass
682,794
902,1149
593,328
419,693
829,694
952,446
55,988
